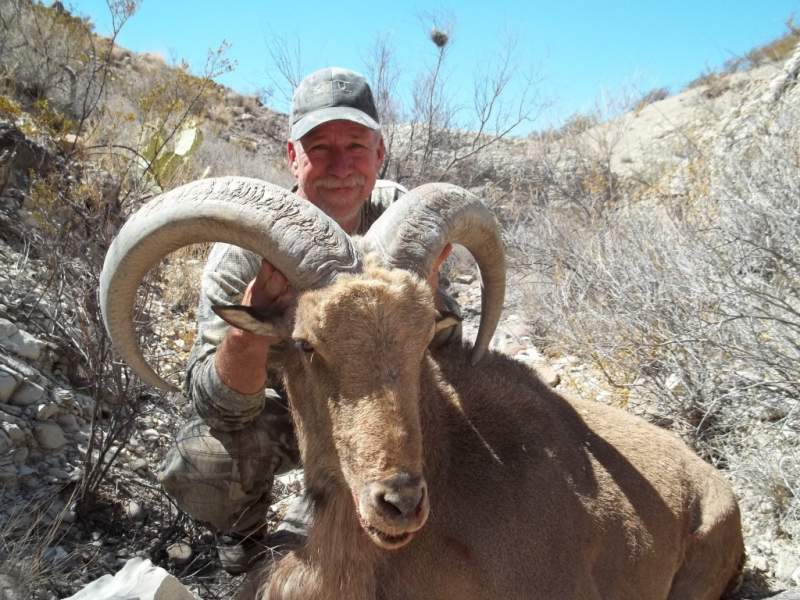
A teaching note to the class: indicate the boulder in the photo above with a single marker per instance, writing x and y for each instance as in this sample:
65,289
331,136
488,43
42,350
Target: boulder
139,579
49,435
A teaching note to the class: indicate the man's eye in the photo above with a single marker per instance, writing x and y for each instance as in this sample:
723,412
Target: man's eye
304,346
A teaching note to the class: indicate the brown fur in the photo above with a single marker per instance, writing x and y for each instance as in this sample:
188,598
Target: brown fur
532,495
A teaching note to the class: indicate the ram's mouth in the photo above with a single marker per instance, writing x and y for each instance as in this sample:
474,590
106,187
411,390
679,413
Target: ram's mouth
387,541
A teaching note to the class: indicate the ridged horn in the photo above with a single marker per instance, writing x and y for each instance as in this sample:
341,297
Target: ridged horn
413,231
301,241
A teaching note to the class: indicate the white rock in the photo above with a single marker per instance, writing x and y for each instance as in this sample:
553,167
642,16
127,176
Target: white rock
139,579
759,563
134,510
22,343
65,398
179,552
29,392
150,435
14,431
137,463
49,435
787,566
675,384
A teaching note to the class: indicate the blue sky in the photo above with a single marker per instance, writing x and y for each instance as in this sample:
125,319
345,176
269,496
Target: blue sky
581,50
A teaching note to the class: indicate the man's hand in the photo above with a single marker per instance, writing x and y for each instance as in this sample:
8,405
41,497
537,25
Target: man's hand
241,359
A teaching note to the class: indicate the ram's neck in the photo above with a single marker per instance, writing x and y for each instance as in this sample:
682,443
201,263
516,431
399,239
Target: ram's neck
337,545
437,398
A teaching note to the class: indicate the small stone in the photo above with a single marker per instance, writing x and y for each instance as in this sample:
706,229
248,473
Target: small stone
46,411
26,471
7,328
65,398
21,342
8,383
28,393
134,510
69,423
759,563
5,442
8,472
14,432
138,464
546,374
20,456
49,435
151,435
675,384
787,566
179,552
55,554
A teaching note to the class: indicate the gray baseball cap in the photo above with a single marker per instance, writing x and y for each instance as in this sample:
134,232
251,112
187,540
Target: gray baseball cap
332,94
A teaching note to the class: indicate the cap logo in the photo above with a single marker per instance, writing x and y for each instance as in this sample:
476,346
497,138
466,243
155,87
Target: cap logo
344,86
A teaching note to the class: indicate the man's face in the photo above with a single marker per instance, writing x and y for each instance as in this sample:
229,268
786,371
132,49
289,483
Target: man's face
336,165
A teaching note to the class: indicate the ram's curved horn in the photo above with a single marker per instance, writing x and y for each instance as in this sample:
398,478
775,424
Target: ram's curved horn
413,231
306,245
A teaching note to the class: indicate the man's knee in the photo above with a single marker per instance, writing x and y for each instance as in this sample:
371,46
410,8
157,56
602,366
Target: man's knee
225,478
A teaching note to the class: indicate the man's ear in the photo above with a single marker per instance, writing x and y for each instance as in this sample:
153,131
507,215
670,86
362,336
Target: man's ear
291,155
256,321
381,150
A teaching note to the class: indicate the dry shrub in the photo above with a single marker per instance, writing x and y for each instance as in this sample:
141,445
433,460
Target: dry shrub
691,309
654,95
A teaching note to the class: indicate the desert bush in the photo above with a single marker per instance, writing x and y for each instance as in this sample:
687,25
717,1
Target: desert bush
79,206
28,561
778,49
691,309
47,55
654,95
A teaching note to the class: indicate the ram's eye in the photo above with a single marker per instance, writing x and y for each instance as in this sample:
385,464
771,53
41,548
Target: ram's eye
304,346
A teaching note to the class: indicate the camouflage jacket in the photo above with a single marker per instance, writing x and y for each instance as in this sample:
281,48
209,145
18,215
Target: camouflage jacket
228,271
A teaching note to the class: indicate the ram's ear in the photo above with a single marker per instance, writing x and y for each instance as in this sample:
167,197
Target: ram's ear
254,320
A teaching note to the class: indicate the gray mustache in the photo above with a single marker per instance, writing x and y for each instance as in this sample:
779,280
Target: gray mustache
336,182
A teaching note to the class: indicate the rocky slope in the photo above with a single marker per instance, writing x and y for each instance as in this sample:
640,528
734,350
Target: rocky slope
46,418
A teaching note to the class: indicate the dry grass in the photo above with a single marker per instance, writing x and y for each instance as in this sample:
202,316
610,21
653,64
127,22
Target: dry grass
690,306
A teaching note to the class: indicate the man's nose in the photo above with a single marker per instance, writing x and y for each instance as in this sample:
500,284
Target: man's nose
341,164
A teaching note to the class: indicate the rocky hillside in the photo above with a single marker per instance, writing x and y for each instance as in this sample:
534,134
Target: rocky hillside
80,440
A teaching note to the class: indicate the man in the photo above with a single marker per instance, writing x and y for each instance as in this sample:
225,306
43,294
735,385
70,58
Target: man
222,466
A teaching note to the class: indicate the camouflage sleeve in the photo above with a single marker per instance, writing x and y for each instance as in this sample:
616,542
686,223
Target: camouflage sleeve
227,272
